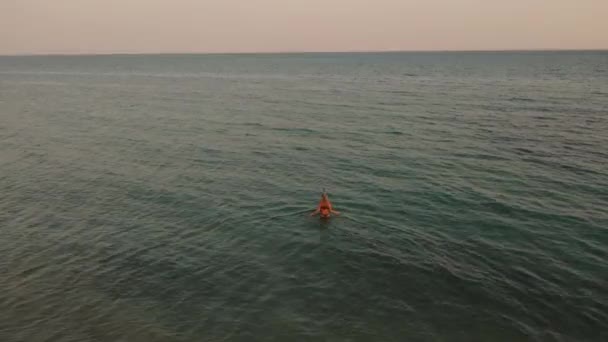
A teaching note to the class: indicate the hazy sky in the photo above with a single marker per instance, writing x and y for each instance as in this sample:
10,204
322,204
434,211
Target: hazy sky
107,26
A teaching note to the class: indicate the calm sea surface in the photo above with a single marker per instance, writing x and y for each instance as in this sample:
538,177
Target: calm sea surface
166,198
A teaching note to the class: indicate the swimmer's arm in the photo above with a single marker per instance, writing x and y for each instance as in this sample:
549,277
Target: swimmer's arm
315,212
336,212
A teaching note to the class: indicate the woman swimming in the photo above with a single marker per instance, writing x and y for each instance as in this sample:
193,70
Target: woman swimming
324,209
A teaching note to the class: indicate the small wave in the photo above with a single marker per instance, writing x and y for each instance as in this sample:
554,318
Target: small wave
295,130
540,109
523,150
580,170
393,132
547,118
252,124
393,103
396,92
522,99
479,156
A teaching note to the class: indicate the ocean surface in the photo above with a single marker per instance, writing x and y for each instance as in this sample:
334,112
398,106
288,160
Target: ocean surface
167,197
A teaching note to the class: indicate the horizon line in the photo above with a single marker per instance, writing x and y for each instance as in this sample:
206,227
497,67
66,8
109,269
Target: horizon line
84,54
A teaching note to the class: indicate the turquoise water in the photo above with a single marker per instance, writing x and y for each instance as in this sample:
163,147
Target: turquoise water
166,198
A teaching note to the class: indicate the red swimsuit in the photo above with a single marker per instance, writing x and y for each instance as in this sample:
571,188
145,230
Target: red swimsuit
324,208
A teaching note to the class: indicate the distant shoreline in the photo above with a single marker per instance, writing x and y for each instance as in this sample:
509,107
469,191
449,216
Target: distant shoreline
293,52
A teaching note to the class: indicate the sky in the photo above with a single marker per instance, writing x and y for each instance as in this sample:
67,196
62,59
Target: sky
201,26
